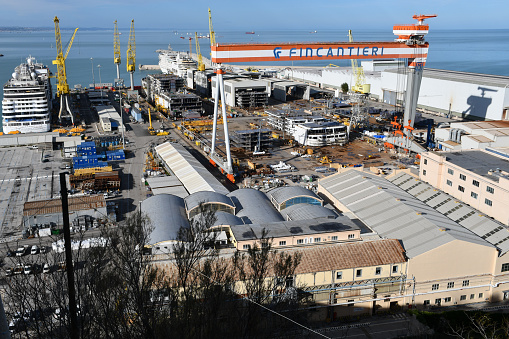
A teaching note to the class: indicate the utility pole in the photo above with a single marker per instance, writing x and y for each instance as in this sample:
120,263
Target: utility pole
68,258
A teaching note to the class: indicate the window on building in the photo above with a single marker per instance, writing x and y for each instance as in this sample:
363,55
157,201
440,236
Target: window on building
426,302
351,236
350,302
450,284
282,243
358,273
395,269
463,177
490,189
461,188
300,241
450,171
466,283
463,297
472,296
339,275
425,161
480,295
475,183
317,239
423,172
246,247
378,270
449,183
334,237
473,195
438,301
505,267
488,202
447,299
435,287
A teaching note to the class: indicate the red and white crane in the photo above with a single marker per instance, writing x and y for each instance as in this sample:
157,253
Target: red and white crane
409,44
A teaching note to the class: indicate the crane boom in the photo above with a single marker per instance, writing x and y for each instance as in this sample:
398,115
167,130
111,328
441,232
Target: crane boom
212,34
131,54
116,49
201,65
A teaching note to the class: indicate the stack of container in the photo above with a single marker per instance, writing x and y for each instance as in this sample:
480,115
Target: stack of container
86,148
115,155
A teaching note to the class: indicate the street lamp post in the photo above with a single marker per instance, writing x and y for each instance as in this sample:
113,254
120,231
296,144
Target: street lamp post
100,82
93,76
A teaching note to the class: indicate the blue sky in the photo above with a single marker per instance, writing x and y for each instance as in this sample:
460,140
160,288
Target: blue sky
254,15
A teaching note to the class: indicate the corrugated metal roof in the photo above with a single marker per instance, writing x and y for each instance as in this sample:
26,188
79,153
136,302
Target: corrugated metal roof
167,213
306,212
194,200
55,205
466,216
394,213
179,191
292,228
166,181
281,194
193,175
254,207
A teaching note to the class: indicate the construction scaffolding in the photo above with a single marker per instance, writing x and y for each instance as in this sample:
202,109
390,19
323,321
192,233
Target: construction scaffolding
251,98
252,140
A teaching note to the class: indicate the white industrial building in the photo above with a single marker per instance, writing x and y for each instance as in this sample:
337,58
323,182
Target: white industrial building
473,135
466,95
243,92
110,119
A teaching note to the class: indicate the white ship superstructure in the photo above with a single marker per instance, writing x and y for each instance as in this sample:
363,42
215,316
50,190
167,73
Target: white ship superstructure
26,104
174,62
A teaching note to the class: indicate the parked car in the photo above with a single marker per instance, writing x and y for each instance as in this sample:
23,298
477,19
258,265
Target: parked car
34,250
9,271
43,249
46,269
10,253
27,269
21,251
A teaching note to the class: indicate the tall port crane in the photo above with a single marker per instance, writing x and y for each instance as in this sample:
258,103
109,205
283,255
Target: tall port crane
190,44
116,49
131,54
201,65
409,45
212,34
62,85
360,85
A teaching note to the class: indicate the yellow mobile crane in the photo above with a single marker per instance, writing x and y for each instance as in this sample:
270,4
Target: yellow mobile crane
150,128
62,85
358,72
131,54
116,49
201,65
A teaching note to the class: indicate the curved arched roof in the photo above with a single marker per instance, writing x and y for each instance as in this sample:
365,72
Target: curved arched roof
167,212
254,207
224,218
282,194
192,201
307,211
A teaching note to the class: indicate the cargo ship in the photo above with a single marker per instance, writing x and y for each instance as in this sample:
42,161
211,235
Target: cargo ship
26,106
250,32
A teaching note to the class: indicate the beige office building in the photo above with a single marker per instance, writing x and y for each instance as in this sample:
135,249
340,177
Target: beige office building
455,254
478,178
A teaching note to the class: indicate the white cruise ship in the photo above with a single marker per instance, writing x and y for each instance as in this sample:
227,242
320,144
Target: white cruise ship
26,106
174,62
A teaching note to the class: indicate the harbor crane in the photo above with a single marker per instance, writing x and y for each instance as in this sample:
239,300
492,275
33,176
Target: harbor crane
212,34
360,85
409,45
62,85
116,49
201,65
131,54
190,44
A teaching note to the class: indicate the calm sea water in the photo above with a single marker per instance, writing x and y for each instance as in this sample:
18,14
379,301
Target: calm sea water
478,51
